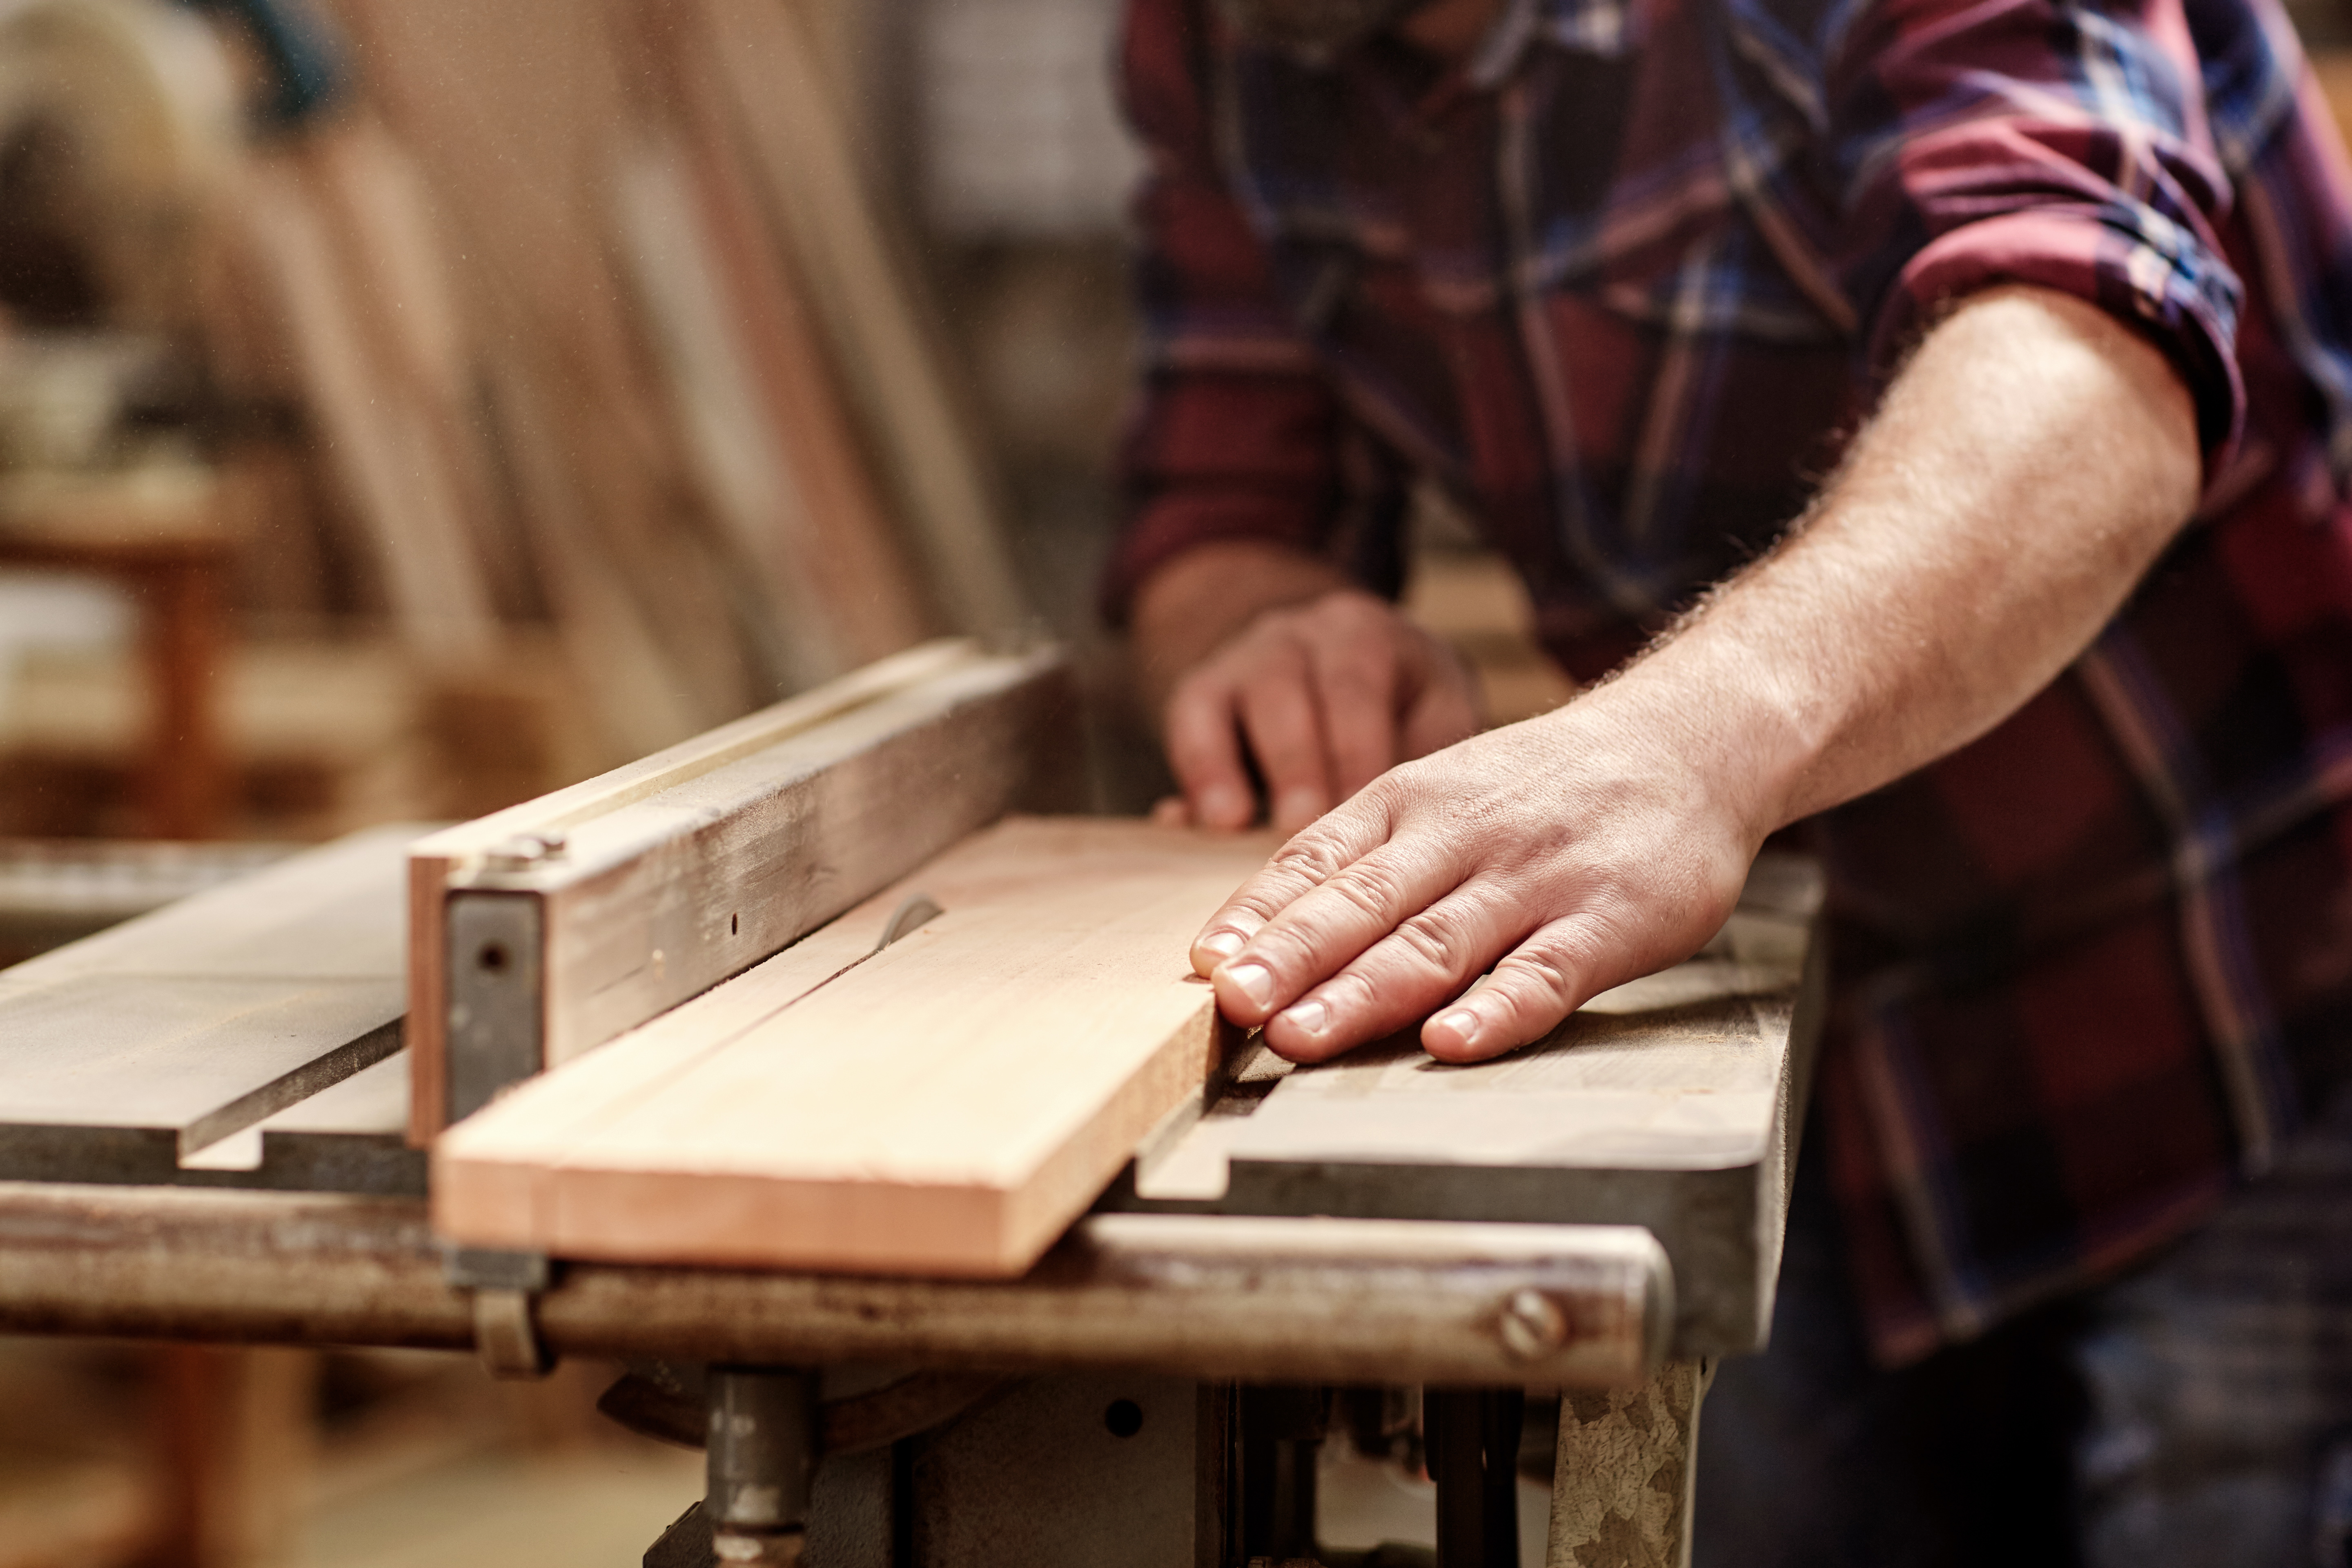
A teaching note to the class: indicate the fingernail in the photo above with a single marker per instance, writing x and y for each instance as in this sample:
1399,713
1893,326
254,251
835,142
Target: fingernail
1462,1022
1223,943
1307,1017
1255,981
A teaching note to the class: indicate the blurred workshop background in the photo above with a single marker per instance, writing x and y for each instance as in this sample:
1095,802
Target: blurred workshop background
408,406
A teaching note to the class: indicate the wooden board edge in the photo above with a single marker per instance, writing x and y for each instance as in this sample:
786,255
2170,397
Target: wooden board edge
971,1231
1186,1063
908,1229
713,750
428,1003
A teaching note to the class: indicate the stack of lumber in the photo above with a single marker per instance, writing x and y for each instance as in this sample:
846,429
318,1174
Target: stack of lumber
570,316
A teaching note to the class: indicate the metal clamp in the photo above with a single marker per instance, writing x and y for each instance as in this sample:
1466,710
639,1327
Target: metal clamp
505,1287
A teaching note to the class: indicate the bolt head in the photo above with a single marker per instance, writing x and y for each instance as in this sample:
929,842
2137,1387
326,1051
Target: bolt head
517,854
1531,1325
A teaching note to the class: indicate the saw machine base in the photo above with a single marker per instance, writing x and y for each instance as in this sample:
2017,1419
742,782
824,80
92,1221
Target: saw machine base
204,1142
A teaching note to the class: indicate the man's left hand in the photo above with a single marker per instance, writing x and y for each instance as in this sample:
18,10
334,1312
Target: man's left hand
1579,849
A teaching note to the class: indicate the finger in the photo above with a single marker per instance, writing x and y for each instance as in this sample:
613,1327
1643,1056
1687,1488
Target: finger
1442,709
1337,839
1285,736
1204,751
1171,811
1325,928
1355,666
1548,976
1427,961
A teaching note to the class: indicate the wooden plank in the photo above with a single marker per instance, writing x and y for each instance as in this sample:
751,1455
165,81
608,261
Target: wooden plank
1672,1104
128,1055
692,866
872,601
946,1105
514,112
774,482
893,374
381,448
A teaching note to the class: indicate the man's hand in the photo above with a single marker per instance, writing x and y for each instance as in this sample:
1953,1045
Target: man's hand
1279,663
2023,474
1326,695
1582,844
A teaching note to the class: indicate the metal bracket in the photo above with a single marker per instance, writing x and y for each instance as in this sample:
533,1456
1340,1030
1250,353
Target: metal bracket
505,1287
494,940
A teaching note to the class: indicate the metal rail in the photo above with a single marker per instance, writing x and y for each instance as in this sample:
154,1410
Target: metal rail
1294,1301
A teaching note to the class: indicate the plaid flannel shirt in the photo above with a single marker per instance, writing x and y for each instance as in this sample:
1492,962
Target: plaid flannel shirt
1621,282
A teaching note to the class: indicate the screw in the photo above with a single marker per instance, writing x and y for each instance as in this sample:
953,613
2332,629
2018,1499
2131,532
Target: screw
1531,1325
525,850
518,854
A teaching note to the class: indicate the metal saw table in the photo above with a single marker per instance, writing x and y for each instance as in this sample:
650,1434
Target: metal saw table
202,1120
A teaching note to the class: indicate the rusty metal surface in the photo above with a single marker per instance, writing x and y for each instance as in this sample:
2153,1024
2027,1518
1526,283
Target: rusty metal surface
278,1267
1210,1297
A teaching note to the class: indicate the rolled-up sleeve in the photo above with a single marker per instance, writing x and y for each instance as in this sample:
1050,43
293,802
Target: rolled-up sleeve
1233,435
2048,143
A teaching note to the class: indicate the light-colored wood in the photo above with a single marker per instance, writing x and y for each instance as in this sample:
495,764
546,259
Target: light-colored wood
873,603
1621,1485
948,1105
158,532
514,112
239,1433
768,445
692,865
809,173
381,449
388,238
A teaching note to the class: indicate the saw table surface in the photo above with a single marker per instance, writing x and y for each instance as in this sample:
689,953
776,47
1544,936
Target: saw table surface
152,1051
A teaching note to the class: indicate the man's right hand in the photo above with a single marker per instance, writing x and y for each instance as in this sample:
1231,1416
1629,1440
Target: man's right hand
1280,663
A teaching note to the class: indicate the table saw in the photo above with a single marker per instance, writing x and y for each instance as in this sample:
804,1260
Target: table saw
219,1123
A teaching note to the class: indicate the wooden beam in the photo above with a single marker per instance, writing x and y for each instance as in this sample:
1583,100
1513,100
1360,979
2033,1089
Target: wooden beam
380,450
893,371
675,872
945,1106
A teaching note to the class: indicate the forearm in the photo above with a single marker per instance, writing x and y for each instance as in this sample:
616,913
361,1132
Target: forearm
2023,472
1201,599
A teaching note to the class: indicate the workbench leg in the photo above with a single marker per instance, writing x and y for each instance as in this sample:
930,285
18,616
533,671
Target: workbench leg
1621,1492
185,784
235,1427
1473,1457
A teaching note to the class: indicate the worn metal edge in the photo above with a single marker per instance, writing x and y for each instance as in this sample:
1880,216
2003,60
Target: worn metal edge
1236,1302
